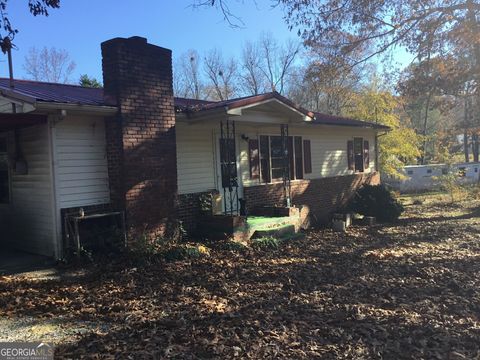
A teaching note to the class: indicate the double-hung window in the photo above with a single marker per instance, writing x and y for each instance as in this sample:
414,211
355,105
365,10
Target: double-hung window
269,154
358,151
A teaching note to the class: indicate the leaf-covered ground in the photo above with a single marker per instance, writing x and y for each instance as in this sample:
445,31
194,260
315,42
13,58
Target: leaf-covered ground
408,290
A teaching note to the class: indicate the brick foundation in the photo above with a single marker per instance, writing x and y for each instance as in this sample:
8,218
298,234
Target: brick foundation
141,147
188,210
322,196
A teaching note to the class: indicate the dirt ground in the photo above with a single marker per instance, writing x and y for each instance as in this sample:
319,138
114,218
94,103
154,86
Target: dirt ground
408,290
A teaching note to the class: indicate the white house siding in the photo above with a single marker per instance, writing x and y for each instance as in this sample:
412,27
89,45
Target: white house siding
196,167
81,162
195,158
328,148
29,216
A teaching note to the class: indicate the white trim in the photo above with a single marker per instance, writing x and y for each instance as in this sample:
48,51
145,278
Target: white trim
239,110
57,221
92,109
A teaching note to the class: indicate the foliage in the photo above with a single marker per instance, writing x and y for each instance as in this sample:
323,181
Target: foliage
183,252
450,183
233,246
398,147
36,7
266,243
377,201
402,291
87,81
49,64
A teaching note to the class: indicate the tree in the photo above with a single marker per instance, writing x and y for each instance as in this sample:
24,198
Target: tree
328,82
36,7
188,80
49,65
278,61
398,147
252,78
222,75
432,89
87,81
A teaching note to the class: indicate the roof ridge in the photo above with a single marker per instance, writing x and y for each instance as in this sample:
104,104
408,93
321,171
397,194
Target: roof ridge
50,83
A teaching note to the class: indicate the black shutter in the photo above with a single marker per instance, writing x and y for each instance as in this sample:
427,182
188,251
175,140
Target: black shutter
254,159
366,154
307,157
350,155
298,158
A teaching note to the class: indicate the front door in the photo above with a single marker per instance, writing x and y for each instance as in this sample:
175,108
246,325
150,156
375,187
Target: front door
228,179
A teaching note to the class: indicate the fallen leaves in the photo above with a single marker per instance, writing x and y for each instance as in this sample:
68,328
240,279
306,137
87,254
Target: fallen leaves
408,290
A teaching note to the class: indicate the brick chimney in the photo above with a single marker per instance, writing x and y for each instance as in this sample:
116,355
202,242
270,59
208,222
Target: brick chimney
141,147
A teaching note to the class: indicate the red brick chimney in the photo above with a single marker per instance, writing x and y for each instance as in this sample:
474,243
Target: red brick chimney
141,147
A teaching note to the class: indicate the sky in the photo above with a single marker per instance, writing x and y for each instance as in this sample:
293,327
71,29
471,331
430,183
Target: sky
80,26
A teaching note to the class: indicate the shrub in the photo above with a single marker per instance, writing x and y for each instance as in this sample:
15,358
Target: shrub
378,201
266,243
184,252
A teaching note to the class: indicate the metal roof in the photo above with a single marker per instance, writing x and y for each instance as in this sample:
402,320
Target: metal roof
75,94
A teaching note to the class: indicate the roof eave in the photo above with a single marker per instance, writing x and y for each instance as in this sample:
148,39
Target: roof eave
86,108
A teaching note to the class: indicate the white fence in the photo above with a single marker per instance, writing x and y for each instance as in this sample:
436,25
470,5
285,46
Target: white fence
425,177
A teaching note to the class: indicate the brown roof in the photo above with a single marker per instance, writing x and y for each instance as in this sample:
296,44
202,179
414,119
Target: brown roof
75,94
52,92
325,119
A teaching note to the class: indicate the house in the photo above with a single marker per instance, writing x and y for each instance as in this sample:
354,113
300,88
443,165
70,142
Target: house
428,177
133,147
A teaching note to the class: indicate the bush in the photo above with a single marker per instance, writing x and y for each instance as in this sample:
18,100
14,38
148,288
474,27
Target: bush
378,201
266,243
184,252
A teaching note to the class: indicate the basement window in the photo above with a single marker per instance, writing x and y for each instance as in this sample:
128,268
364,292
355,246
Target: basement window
4,173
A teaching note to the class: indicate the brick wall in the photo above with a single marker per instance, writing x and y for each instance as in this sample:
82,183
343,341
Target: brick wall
141,139
322,196
188,210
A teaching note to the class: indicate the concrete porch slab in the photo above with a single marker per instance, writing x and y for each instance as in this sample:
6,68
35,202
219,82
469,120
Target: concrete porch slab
15,262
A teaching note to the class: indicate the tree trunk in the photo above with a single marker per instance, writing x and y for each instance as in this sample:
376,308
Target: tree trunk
475,147
425,121
465,145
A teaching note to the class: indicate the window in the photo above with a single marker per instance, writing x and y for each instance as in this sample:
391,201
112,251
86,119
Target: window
271,154
410,172
429,171
4,173
276,157
358,154
444,171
